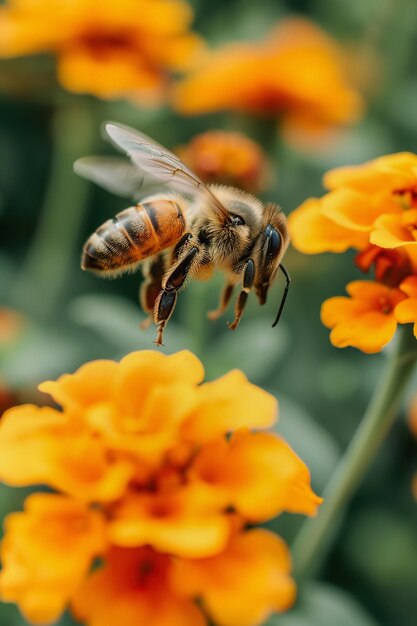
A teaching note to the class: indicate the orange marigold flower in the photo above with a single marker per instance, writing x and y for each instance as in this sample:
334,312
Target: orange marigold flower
375,201
297,72
245,583
373,209
134,587
366,320
159,471
106,48
47,552
228,158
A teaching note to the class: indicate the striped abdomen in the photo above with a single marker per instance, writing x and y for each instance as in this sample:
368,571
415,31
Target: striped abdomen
133,235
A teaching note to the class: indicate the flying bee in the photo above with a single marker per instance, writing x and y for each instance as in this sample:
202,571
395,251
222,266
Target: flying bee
188,231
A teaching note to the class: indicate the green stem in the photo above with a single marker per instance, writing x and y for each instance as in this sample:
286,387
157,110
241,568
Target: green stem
315,538
43,276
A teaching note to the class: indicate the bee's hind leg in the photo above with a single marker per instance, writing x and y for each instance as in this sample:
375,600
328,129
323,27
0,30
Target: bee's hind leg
247,284
225,296
173,282
153,271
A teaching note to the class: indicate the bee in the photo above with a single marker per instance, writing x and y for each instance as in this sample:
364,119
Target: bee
188,231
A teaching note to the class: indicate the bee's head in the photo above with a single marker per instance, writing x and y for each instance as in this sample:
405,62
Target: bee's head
245,210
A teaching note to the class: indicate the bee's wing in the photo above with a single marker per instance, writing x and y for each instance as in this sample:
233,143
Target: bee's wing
115,174
159,165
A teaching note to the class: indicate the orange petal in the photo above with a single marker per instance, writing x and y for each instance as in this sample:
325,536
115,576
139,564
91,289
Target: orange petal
46,552
258,474
393,231
312,232
353,210
91,383
229,403
39,446
366,321
133,587
174,522
244,584
406,311
409,286
370,333
382,175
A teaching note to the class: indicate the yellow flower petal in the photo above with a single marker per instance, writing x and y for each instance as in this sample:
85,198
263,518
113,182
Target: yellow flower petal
313,232
174,522
235,471
367,321
383,175
39,446
229,403
133,588
395,231
351,209
46,552
243,585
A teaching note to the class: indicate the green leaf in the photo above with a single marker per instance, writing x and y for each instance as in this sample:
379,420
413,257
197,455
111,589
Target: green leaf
323,605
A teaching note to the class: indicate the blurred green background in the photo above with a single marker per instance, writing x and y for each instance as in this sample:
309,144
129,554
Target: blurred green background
53,317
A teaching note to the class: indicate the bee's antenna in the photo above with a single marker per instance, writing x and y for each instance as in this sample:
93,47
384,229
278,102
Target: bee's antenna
284,295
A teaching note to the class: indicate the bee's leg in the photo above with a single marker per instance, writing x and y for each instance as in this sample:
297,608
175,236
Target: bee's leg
166,300
247,284
150,289
225,296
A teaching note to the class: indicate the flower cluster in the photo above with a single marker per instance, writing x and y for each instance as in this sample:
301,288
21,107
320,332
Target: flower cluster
156,477
228,158
296,72
106,48
371,208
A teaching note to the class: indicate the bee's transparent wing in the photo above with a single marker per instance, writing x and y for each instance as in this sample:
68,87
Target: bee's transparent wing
115,174
159,165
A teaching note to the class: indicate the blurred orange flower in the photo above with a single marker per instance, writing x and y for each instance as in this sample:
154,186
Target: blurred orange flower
243,584
366,320
227,158
134,587
373,209
11,325
109,49
297,72
47,551
157,471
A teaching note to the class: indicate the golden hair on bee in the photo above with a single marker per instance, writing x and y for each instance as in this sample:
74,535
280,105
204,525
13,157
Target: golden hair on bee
189,231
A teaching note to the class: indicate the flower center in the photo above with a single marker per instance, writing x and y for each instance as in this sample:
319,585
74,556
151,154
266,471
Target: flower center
385,305
101,43
407,197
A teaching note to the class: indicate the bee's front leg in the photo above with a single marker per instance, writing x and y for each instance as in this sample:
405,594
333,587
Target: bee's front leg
247,284
173,282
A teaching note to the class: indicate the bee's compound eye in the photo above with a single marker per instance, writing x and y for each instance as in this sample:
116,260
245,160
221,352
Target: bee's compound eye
274,241
236,220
